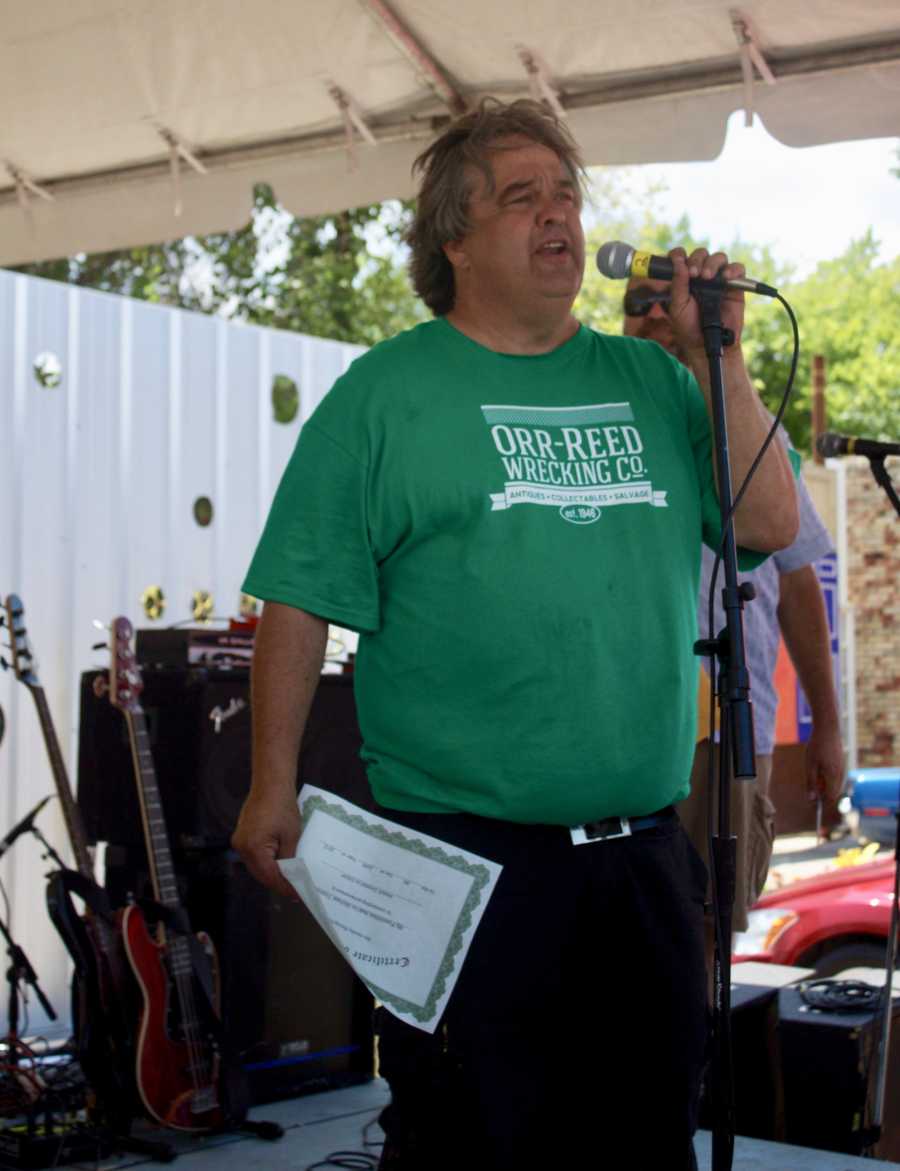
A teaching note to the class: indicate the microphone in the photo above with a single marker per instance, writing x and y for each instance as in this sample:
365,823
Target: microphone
829,444
619,261
24,825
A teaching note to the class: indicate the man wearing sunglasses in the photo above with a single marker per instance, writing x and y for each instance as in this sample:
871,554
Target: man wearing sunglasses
788,603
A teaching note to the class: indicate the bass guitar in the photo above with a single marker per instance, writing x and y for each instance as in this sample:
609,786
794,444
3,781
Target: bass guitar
177,1063
103,987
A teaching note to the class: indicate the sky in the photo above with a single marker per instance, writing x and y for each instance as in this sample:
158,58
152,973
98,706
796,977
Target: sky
808,204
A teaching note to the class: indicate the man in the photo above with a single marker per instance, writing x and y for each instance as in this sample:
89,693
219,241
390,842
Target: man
509,508
788,601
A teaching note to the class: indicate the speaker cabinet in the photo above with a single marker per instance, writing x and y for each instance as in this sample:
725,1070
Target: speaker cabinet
758,1092
199,727
829,1063
292,1008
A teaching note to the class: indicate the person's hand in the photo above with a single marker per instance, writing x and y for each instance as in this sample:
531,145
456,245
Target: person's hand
268,828
825,768
684,313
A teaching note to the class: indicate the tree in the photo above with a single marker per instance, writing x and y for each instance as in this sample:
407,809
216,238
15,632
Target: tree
847,311
342,276
339,276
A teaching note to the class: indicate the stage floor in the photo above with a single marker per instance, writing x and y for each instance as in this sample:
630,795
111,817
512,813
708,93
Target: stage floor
318,1125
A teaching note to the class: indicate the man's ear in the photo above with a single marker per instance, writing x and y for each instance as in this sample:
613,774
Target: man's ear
455,251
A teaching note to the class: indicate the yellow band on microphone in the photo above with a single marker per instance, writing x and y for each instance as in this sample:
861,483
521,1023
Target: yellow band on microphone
851,446
640,265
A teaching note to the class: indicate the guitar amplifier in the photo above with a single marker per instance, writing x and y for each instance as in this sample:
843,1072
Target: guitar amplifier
193,646
758,1092
294,1013
199,727
829,1067
292,1008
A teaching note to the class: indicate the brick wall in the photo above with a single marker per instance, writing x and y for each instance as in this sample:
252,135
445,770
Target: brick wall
873,580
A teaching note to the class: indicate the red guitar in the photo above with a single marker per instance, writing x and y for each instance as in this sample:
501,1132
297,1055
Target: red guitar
177,1062
103,988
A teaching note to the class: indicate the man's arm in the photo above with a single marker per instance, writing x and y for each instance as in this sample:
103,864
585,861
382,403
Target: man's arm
289,649
767,518
804,625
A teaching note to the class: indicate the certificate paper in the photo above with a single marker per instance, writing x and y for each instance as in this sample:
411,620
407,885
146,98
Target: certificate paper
401,906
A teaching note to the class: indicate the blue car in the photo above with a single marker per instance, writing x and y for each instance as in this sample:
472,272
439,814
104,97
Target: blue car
871,799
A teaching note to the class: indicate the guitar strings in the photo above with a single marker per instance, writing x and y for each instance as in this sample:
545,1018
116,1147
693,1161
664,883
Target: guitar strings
180,960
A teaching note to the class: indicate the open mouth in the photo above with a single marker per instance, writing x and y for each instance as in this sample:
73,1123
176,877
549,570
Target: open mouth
553,248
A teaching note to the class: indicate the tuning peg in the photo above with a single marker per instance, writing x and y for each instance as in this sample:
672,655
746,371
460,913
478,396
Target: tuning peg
99,646
4,664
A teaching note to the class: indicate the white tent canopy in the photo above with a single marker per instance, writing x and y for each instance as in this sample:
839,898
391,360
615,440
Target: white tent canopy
116,112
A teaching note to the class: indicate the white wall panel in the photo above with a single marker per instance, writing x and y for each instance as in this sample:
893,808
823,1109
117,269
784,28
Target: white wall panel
98,478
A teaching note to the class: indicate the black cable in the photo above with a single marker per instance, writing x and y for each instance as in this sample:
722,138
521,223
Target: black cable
371,1142
839,995
355,1160
711,598
776,423
722,1027
352,1160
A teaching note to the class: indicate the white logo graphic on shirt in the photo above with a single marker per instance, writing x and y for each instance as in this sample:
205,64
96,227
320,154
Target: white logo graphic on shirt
577,459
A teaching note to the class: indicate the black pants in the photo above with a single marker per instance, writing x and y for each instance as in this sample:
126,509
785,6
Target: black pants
577,1028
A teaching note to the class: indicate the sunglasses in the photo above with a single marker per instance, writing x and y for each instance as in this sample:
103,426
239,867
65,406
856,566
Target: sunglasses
641,299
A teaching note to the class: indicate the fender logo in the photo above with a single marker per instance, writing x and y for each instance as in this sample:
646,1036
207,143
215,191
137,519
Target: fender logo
219,715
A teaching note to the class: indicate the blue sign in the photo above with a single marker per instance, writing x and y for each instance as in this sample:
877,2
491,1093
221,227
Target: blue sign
827,573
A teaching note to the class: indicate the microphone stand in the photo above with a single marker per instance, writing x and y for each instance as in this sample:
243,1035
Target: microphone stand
882,476
50,852
736,737
20,969
873,1132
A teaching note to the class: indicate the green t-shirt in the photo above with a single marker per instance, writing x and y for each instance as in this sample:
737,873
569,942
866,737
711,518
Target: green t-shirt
517,538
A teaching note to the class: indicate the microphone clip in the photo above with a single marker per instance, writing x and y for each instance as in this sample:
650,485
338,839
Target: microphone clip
709,295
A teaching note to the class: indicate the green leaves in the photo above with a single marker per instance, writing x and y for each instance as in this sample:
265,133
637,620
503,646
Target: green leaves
847,311
342,276
339,276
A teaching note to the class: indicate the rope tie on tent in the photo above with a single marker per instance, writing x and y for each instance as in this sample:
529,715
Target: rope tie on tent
751,55
179,150
540,82
353,121
25,186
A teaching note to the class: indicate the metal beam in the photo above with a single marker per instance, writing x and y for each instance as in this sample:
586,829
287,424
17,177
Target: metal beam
412,49
543,87
418,125
699,76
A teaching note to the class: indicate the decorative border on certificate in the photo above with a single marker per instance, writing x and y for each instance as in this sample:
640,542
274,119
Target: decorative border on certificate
477,871
401,906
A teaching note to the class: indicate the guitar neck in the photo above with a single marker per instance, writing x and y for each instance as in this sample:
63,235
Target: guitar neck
165,889
71,812
162,872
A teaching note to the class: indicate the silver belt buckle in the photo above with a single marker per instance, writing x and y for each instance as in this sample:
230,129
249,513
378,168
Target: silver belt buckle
602,830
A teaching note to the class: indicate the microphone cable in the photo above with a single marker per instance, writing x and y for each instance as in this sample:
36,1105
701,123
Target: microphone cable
828,995
723,1026
711,618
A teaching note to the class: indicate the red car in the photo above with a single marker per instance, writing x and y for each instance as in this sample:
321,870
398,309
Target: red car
830,922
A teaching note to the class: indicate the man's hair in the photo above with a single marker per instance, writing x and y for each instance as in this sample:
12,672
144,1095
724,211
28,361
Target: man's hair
442,212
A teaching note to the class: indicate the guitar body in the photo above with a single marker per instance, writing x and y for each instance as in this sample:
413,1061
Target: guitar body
104,1003
104,994
172,1088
